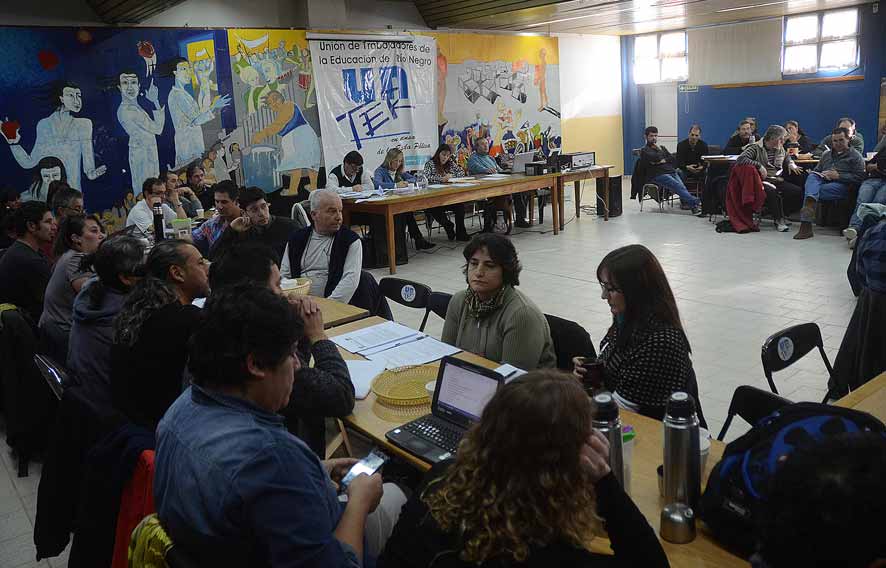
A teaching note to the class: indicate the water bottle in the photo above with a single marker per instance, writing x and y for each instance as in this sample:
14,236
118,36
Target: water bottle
607,422
682,460
421,182
159,233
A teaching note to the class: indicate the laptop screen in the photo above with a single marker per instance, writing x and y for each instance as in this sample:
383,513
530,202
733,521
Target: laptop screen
463,392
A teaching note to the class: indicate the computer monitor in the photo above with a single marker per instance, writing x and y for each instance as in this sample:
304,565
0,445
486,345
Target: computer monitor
462,391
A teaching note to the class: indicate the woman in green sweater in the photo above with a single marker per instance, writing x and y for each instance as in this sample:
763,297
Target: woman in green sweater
491,318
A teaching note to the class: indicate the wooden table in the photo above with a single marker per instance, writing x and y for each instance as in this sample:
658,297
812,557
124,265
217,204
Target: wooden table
870,398
646,457
426,199
576,177
338,313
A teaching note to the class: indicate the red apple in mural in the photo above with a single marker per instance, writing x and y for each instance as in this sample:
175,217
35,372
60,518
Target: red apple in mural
149,54
10,129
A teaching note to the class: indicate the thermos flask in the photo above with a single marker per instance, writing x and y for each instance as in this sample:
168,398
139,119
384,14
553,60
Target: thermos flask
682,469
607,422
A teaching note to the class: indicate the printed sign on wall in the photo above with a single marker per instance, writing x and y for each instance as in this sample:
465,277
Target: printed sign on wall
377,95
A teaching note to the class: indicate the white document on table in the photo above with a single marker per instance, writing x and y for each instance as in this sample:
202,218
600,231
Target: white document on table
377,336
362,374
418,352
497,176
375,198
509,372
463,178
462,184
437,186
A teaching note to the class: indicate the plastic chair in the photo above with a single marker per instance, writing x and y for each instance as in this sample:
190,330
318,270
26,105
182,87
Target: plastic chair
786,347
752,404
570,340
407,293
438,302
56,376
299,215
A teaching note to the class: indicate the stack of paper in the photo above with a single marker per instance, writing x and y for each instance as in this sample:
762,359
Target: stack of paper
393,345
373,337
362,373
417,352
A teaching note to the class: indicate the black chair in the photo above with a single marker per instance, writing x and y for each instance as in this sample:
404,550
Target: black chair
783,349
438,302
570,340
752,404
56,376
407,293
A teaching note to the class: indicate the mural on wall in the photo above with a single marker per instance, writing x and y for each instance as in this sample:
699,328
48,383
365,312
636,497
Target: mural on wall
276,104
106,108
503,88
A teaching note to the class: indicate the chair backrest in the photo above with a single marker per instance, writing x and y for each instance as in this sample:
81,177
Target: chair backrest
783,349
300,216
752,404
438,302
405,292
714,149
55,375
570,340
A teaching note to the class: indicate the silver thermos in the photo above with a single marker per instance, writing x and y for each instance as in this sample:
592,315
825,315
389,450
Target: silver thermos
607,422
682,469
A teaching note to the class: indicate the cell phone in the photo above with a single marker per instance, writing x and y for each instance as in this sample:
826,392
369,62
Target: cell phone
368,465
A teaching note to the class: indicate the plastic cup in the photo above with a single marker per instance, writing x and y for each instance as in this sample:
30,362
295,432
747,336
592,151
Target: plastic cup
627,452
200,213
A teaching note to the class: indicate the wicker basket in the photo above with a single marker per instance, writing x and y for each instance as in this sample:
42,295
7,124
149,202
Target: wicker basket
296,286
400,393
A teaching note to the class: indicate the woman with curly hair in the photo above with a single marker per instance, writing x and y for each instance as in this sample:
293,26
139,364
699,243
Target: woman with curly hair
491,317
152,331
530,487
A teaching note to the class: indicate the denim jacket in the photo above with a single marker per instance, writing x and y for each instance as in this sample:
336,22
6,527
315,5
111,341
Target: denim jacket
383,180
231,480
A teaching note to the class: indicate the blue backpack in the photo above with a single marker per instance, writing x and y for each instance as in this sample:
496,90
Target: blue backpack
737,489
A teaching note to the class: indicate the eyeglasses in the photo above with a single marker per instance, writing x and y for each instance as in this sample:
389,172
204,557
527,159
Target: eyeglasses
609,288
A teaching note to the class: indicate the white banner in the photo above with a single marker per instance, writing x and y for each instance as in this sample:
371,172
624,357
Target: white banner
376,95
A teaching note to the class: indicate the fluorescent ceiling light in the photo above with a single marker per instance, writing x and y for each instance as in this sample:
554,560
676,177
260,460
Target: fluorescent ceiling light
752,6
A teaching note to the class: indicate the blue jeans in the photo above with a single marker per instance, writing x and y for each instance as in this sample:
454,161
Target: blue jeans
872,190
673,183
821,189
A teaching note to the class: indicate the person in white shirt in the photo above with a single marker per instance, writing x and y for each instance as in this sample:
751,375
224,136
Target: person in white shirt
328,253
154,190
349,175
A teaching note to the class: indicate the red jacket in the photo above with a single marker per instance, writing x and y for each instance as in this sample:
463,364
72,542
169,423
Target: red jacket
744,196
136,503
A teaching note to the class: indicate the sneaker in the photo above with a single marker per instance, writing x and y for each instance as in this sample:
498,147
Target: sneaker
850,233
697,211
781,226
652,191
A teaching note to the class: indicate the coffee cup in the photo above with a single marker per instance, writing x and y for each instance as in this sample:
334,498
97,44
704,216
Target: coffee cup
593,377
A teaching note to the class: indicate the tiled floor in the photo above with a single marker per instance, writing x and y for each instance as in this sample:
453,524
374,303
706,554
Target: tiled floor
733,291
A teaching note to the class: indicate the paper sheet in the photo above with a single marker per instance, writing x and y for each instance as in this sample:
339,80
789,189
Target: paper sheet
463,178
387,333
496,176
376,198
509,372
362,374
437,186
462,184
418,352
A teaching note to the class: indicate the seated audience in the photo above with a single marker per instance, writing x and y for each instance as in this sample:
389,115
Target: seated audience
116,265
658,164
24,269
154,192
645,353
10,200
689,153
826,506
838,168
256,224
66,201
530,486
856,140
440,169
328,253
481,163
769,157
54,187
319,391
390,174
152,331
186,197
349,175
741,138
205,236
872,190
78,236
805,145
197,183
491,318
231,485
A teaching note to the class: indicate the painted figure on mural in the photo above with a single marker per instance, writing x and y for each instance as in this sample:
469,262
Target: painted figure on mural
302,61
62,135
141,128
219,164
187,117
205,85
541,78
442,71
299,145
47,170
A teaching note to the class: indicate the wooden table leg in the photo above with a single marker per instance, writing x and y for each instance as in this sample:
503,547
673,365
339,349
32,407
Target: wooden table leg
392,248
577,185
562,202
555,203
606,195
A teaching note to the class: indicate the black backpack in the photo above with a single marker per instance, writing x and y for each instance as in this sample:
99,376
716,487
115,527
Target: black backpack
737,489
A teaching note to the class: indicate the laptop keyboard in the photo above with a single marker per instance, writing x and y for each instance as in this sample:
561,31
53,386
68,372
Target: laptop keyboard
436,431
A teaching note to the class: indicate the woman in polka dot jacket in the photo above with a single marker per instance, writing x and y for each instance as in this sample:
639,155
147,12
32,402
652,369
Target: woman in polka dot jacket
645,352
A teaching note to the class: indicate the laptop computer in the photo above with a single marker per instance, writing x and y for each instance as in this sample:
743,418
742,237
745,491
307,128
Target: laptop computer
520,161
461,393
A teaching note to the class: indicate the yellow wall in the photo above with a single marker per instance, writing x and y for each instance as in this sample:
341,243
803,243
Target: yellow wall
600,134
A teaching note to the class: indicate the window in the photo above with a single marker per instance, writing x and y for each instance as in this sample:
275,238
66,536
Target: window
826,41
660,58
